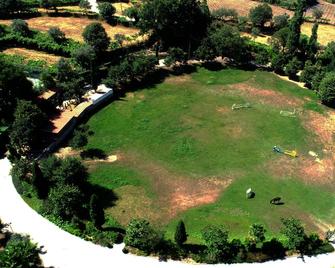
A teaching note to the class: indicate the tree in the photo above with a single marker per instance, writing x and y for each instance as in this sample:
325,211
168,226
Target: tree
224,41
216,240
13,86
20,252
39,183
292,67
48,167
180,235
260,14
327,89
312,46
141,235
317,13
294,233
47,79
133,13
56,34
78,140
175,54
106,11
280,21
278,62
225,14
95,36
64,201
20,27
70,171
257,233
85,4
181,23
53,4
295,28
9,6
24,134
97,213
64,70
308,73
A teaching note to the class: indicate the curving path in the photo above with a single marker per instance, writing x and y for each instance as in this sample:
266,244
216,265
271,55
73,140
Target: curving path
64,250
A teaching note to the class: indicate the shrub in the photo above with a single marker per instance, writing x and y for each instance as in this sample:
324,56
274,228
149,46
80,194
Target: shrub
56,34
260,14
141,235
20,27
95,35
280,21
64,201
20,252
327,89
106,11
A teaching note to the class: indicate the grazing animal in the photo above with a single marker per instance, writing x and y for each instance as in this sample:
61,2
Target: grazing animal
275,200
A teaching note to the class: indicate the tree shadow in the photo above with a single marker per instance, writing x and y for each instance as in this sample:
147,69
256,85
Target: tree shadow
274,249
93,153
108,197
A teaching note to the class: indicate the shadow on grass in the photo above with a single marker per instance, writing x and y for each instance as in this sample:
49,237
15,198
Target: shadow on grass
93,153
106,196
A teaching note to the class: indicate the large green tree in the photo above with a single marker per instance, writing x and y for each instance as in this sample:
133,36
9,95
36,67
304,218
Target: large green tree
327,89
295,28
64,201
25,130
177,23
140,234
180,235
13,86
216,240
95,35
260,14
224,41
294,233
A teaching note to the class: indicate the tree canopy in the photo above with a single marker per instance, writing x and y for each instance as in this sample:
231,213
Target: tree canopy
177,23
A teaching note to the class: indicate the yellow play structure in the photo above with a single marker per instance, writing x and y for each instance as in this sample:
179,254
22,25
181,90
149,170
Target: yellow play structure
292,153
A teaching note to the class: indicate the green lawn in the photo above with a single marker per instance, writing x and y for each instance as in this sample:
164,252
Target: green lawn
185,128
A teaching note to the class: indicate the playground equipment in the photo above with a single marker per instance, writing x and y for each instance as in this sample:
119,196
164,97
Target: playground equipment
315,155
292,153
289,113
240,106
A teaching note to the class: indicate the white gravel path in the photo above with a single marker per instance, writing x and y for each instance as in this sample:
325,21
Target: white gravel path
64,250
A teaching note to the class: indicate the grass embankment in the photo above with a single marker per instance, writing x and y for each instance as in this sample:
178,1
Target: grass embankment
183,153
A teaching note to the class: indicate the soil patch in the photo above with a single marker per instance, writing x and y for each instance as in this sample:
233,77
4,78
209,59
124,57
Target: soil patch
177,193
263,96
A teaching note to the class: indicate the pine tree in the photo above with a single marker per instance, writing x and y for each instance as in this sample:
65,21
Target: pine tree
312,47
97,213
39,183
180,235
295,28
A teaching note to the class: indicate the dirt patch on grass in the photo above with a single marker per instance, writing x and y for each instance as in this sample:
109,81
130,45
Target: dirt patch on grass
305,166
175,193
30,54
67,152
263,96
323,126
133,202
178,79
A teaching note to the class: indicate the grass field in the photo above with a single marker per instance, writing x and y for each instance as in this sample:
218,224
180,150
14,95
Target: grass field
183,153
30,54
73,27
